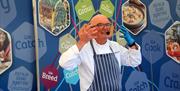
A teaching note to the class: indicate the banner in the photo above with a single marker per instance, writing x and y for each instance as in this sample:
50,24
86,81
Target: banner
17,46
155,26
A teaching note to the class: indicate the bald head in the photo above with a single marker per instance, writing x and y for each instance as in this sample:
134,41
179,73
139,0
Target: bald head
99,19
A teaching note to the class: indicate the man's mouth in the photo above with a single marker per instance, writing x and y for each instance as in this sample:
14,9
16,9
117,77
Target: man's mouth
108,32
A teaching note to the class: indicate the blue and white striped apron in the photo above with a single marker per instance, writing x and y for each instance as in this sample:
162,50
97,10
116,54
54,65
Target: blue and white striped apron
106,72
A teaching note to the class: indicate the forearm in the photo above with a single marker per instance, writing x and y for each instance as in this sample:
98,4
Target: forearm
132,57
80,44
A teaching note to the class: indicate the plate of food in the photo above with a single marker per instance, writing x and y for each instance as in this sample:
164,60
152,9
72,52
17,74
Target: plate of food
133,16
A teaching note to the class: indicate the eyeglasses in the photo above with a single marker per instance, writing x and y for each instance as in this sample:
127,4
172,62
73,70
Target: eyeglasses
101,25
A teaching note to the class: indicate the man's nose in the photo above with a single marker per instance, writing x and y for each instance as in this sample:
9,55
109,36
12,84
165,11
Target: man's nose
106,28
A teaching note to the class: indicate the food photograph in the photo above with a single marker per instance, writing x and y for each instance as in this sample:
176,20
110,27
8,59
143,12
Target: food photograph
134,16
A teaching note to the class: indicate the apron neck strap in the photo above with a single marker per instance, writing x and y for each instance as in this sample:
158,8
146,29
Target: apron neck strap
92,47
111,49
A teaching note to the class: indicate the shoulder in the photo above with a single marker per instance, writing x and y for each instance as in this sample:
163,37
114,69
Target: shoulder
115,46
114,43
86,48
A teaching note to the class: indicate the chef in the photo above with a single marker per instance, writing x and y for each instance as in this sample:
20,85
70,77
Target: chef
99,59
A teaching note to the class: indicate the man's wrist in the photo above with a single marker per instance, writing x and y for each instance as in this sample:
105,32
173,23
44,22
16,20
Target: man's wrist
133,46
80,44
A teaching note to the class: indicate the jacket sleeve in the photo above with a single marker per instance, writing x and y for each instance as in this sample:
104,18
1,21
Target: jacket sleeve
130,57
70,59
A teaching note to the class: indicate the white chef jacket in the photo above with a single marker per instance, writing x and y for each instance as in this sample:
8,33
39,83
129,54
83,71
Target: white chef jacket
85,62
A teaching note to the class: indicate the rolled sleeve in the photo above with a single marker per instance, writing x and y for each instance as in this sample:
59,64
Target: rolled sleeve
131,57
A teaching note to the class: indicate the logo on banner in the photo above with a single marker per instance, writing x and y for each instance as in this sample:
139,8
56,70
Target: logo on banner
7,12
152,46
107,8
159,11
84,9
24,43
50,76
20,79
66,42
169,77
72,76
137,81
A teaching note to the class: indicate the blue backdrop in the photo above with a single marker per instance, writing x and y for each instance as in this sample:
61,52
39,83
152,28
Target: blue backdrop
158,72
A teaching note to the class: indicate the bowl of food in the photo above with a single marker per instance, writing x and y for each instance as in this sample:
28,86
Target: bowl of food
133,16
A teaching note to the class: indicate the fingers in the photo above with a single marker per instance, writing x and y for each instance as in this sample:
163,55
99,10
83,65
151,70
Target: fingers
87,33
123,30
84,26
83,29
88,27
90,30
92,33
122,26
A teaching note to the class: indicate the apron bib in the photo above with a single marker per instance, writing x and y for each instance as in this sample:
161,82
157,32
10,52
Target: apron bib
106,72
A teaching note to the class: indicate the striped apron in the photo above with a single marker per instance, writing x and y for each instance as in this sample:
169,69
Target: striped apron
106,72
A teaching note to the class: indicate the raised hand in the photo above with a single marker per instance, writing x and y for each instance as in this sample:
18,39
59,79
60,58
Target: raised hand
86,34
127,36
